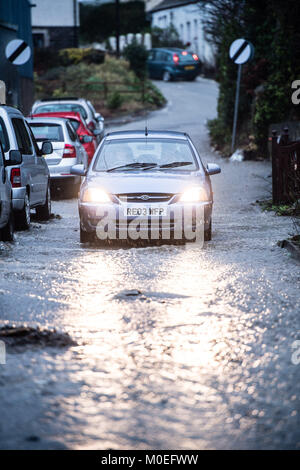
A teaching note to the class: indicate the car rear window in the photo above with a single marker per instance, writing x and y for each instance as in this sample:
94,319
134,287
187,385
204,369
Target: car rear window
60,107
4,136
75,124
45,131
185,56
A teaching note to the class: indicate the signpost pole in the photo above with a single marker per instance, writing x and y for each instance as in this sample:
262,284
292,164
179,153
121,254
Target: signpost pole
2,92
236,106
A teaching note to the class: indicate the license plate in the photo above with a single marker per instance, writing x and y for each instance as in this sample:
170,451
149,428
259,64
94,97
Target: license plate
189,67
145,211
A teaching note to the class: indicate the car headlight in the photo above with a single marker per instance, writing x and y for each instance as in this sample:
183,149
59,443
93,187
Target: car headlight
95,195
195,194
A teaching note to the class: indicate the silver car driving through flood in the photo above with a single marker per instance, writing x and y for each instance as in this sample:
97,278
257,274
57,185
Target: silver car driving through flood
143,185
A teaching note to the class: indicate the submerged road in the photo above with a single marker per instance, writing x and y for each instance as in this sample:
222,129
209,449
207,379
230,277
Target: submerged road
201,358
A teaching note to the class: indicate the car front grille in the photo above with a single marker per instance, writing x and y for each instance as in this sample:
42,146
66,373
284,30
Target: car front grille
145,197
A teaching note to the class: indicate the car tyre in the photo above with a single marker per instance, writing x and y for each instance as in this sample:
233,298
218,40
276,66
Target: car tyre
7,232
86,237
23,217
72,190
44,212
207,233
166,76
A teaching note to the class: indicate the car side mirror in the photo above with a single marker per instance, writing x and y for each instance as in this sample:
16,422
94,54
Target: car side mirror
213,169
99,118
78,170
85,139
47,148
15,158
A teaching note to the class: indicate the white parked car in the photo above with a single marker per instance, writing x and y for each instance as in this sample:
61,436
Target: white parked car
67,150
94,120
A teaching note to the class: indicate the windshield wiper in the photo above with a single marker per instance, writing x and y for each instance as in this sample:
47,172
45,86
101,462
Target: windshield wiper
174,164
134,166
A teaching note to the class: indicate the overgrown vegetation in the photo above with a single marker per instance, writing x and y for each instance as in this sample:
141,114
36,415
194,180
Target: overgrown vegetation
167,37
265,98
97,22
136,54
112,86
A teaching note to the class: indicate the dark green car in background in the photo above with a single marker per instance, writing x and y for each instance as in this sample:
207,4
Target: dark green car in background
171,63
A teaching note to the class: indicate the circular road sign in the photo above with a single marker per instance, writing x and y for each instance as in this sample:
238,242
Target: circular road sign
241,51
17,52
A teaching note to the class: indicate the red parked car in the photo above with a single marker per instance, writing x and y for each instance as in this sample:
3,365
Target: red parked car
80,126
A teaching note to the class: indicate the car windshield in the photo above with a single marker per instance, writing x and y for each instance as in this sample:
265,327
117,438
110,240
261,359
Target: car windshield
60,107
45,131
143,154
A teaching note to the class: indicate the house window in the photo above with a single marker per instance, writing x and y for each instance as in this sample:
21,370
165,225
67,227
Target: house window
188,31
181,32
195,29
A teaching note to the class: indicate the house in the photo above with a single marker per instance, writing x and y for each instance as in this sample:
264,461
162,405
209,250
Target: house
55,23
188,19
15,23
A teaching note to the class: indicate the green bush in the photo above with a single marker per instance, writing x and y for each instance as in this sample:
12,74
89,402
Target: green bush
114,100
265,95
153,95
219,133
136,54
111,86
74,56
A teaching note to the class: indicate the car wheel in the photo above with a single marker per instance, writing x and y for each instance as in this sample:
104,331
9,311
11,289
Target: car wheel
7,233
86,237
207,233
166,76
44,212
72,190
23,216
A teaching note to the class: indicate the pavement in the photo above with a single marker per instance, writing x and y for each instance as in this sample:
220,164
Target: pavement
203,356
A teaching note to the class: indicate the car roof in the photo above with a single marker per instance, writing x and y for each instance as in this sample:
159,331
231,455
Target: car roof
52,120
11,110
168,49
62,114
150,134
60,100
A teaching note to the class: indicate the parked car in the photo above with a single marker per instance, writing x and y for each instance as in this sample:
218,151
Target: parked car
67,150
30,179
86,137
171,63
137,173
95,121
6,209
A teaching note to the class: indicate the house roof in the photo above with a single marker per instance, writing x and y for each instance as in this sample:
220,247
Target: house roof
167,4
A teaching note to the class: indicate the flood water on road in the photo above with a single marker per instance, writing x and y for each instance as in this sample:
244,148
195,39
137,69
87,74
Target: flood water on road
177,346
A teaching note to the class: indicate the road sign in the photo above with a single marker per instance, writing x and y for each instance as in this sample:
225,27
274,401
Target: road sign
17,52
241,51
